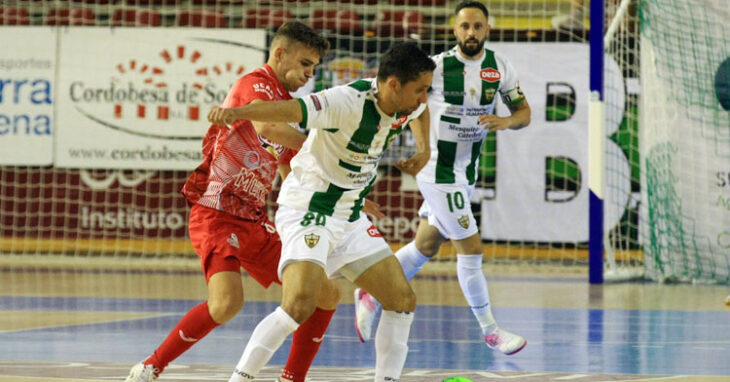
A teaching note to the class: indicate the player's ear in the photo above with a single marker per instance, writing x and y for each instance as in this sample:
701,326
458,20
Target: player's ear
279,52
393,83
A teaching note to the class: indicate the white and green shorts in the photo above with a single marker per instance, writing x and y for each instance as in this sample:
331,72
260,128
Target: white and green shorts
341,247
448,208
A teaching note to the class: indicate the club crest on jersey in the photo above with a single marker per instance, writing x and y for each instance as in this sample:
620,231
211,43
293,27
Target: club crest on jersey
489,94
464,221
373,232
490,75
311,240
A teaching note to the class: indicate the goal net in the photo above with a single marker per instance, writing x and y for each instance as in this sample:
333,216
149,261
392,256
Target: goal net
623,258
685,140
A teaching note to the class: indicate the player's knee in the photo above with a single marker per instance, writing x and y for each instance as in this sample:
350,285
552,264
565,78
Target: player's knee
299,305
330,295
223,308
402,299
429,247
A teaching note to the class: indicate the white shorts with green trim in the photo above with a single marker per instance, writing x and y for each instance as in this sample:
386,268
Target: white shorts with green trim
342,248
448,208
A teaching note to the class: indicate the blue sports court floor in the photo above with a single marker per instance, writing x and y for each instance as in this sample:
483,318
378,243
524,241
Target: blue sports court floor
53,332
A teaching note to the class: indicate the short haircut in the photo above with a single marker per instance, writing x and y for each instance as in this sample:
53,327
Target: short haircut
472,4
406,61
300,32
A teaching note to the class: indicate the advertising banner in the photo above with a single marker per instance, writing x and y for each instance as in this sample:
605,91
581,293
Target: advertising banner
137,98
27,69
524,206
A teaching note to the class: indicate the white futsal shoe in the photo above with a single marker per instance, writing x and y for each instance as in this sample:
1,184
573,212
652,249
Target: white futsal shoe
366,307
504,341
142,373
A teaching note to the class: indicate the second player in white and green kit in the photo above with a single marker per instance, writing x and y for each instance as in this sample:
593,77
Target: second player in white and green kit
463,89
468,82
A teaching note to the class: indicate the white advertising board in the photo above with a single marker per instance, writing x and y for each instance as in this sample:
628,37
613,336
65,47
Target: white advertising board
27,69
522,208
137,98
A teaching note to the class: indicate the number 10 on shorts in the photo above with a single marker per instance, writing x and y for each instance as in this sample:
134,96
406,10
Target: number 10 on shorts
456,200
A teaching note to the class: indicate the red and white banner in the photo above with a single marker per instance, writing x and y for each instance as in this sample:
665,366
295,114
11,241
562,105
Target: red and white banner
137,98
27,69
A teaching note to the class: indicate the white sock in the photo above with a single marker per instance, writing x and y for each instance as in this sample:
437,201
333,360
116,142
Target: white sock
391,344
474,285
411,259
268,336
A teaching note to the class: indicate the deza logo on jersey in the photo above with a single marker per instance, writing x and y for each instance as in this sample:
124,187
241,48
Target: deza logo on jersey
490,75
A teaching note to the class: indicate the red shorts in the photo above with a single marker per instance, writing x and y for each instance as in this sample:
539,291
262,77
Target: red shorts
225,242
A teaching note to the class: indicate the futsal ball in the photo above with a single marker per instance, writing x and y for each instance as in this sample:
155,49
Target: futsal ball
457,379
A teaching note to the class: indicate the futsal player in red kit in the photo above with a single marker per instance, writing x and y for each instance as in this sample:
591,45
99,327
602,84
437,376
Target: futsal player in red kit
228,225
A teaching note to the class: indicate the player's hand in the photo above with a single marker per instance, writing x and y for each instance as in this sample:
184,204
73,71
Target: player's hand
221,117
372,208
413,164
493,123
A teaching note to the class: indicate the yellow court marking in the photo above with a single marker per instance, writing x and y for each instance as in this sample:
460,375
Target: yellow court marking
179,253
16,320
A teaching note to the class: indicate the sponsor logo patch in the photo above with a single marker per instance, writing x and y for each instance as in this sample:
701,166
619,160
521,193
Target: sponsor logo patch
490,75
263,88
315,101
233,242
184,337
373,232
401,120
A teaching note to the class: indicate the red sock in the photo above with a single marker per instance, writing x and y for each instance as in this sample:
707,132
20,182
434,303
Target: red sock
195,325
305,344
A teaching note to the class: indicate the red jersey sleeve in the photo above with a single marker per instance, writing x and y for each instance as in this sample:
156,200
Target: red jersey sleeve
249,88
286,156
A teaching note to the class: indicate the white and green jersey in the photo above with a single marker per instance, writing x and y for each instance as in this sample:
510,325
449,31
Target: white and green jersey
461,91
336,167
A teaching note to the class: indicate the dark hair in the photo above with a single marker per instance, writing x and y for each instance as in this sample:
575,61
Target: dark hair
300,32
472,4
406,61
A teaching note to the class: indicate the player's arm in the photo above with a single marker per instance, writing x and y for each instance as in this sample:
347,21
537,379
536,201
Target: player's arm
272,111
520,114
372,208
280,133
420,128
518,107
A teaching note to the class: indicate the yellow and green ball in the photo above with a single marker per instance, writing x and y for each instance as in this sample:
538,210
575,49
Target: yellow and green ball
457,379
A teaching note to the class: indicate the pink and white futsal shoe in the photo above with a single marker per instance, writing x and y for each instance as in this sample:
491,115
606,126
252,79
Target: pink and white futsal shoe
365,309
504,341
